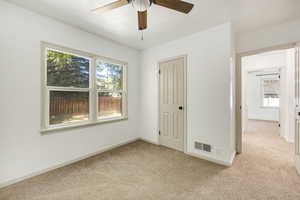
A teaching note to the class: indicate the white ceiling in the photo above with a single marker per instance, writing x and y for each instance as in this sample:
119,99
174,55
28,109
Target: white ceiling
164,25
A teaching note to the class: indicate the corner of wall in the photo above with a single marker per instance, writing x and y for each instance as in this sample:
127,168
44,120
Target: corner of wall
139,105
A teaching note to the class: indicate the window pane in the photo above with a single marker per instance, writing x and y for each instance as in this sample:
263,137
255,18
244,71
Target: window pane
271,88
68,107
66,70
109,104
109,76
271,101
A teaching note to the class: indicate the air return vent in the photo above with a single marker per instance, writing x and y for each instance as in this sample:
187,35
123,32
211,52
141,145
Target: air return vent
203,147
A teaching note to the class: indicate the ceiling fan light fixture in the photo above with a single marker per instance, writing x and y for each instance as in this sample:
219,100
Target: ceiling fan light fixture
141,5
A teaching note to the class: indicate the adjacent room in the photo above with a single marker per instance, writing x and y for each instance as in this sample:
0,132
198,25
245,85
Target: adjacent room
268,91
268,100
149,99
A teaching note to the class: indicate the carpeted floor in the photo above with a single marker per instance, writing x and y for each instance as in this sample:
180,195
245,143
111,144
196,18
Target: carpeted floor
142,171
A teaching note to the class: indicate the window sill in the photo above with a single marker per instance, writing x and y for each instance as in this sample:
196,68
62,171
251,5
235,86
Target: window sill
83,124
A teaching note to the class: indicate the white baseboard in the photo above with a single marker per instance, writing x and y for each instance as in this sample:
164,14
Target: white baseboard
103,149
264,120
232,158
297,163
149,141
220,162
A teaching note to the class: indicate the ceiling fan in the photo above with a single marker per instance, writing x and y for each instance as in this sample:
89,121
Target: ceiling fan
143,5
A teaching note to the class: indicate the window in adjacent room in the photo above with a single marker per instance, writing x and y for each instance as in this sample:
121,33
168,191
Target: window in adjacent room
80,88
270,92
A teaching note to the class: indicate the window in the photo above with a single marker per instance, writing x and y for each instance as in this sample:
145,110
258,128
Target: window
270,92
109,79
80,89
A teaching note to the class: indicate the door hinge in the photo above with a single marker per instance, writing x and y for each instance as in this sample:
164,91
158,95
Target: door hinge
158,71
158,132
279,76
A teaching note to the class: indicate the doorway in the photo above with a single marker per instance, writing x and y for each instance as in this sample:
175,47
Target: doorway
172,103
266,101
262,96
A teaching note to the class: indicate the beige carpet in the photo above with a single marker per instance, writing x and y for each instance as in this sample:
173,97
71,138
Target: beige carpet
141,171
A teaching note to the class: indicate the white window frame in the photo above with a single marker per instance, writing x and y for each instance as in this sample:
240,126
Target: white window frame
93,92
263,93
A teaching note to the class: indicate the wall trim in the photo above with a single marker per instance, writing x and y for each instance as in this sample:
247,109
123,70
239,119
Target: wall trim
101,150
263,120
108,148
232,157
297,161
149,141
203,157
220,162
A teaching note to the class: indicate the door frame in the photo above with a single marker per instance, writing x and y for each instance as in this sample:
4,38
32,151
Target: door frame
297,73
185,56
239,56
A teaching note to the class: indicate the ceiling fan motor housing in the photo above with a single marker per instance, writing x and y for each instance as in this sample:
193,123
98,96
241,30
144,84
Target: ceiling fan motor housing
141,5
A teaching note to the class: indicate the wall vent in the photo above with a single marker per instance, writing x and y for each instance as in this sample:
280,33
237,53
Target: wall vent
202,146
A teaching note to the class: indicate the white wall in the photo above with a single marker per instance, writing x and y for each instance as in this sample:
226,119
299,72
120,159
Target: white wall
281,34
254,99
209,93
23,150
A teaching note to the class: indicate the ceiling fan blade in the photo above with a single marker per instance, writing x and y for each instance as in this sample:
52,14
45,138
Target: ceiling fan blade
142,18
177,5
110,6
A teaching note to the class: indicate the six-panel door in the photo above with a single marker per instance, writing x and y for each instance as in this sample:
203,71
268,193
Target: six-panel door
172,103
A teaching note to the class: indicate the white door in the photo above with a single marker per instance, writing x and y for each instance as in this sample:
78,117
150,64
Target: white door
172,109
297,100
